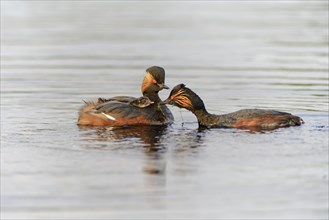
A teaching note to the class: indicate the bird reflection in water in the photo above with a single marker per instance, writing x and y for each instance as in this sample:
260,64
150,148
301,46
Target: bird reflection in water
147,138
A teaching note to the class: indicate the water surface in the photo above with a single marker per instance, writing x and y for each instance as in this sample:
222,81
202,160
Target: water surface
233,54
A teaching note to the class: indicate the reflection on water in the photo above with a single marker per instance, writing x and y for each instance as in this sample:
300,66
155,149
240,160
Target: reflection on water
147,138
153,141
253,54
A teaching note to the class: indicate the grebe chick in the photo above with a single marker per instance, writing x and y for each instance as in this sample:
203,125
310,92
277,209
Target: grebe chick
141,102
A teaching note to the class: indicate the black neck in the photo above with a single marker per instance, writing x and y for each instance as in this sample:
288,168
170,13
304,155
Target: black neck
154,97
201,115
208,120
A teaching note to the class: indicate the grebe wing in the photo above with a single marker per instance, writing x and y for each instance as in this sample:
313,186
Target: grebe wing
114,109
251,113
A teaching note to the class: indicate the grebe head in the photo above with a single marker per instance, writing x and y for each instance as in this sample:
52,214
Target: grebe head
183,97
141,102
154,80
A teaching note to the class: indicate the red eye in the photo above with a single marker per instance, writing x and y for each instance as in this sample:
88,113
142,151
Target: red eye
154,81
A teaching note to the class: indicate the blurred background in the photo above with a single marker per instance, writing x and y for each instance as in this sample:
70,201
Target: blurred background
234,54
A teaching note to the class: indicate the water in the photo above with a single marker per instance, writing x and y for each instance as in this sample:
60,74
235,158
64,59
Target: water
233,54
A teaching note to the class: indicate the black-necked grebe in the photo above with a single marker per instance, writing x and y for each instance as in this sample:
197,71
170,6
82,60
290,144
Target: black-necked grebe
126,110
251,119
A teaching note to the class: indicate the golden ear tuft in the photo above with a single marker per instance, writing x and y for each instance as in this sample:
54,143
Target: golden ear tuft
148,80
184,101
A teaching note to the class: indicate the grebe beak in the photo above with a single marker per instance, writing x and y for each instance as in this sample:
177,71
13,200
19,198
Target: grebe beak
163,86
165,102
